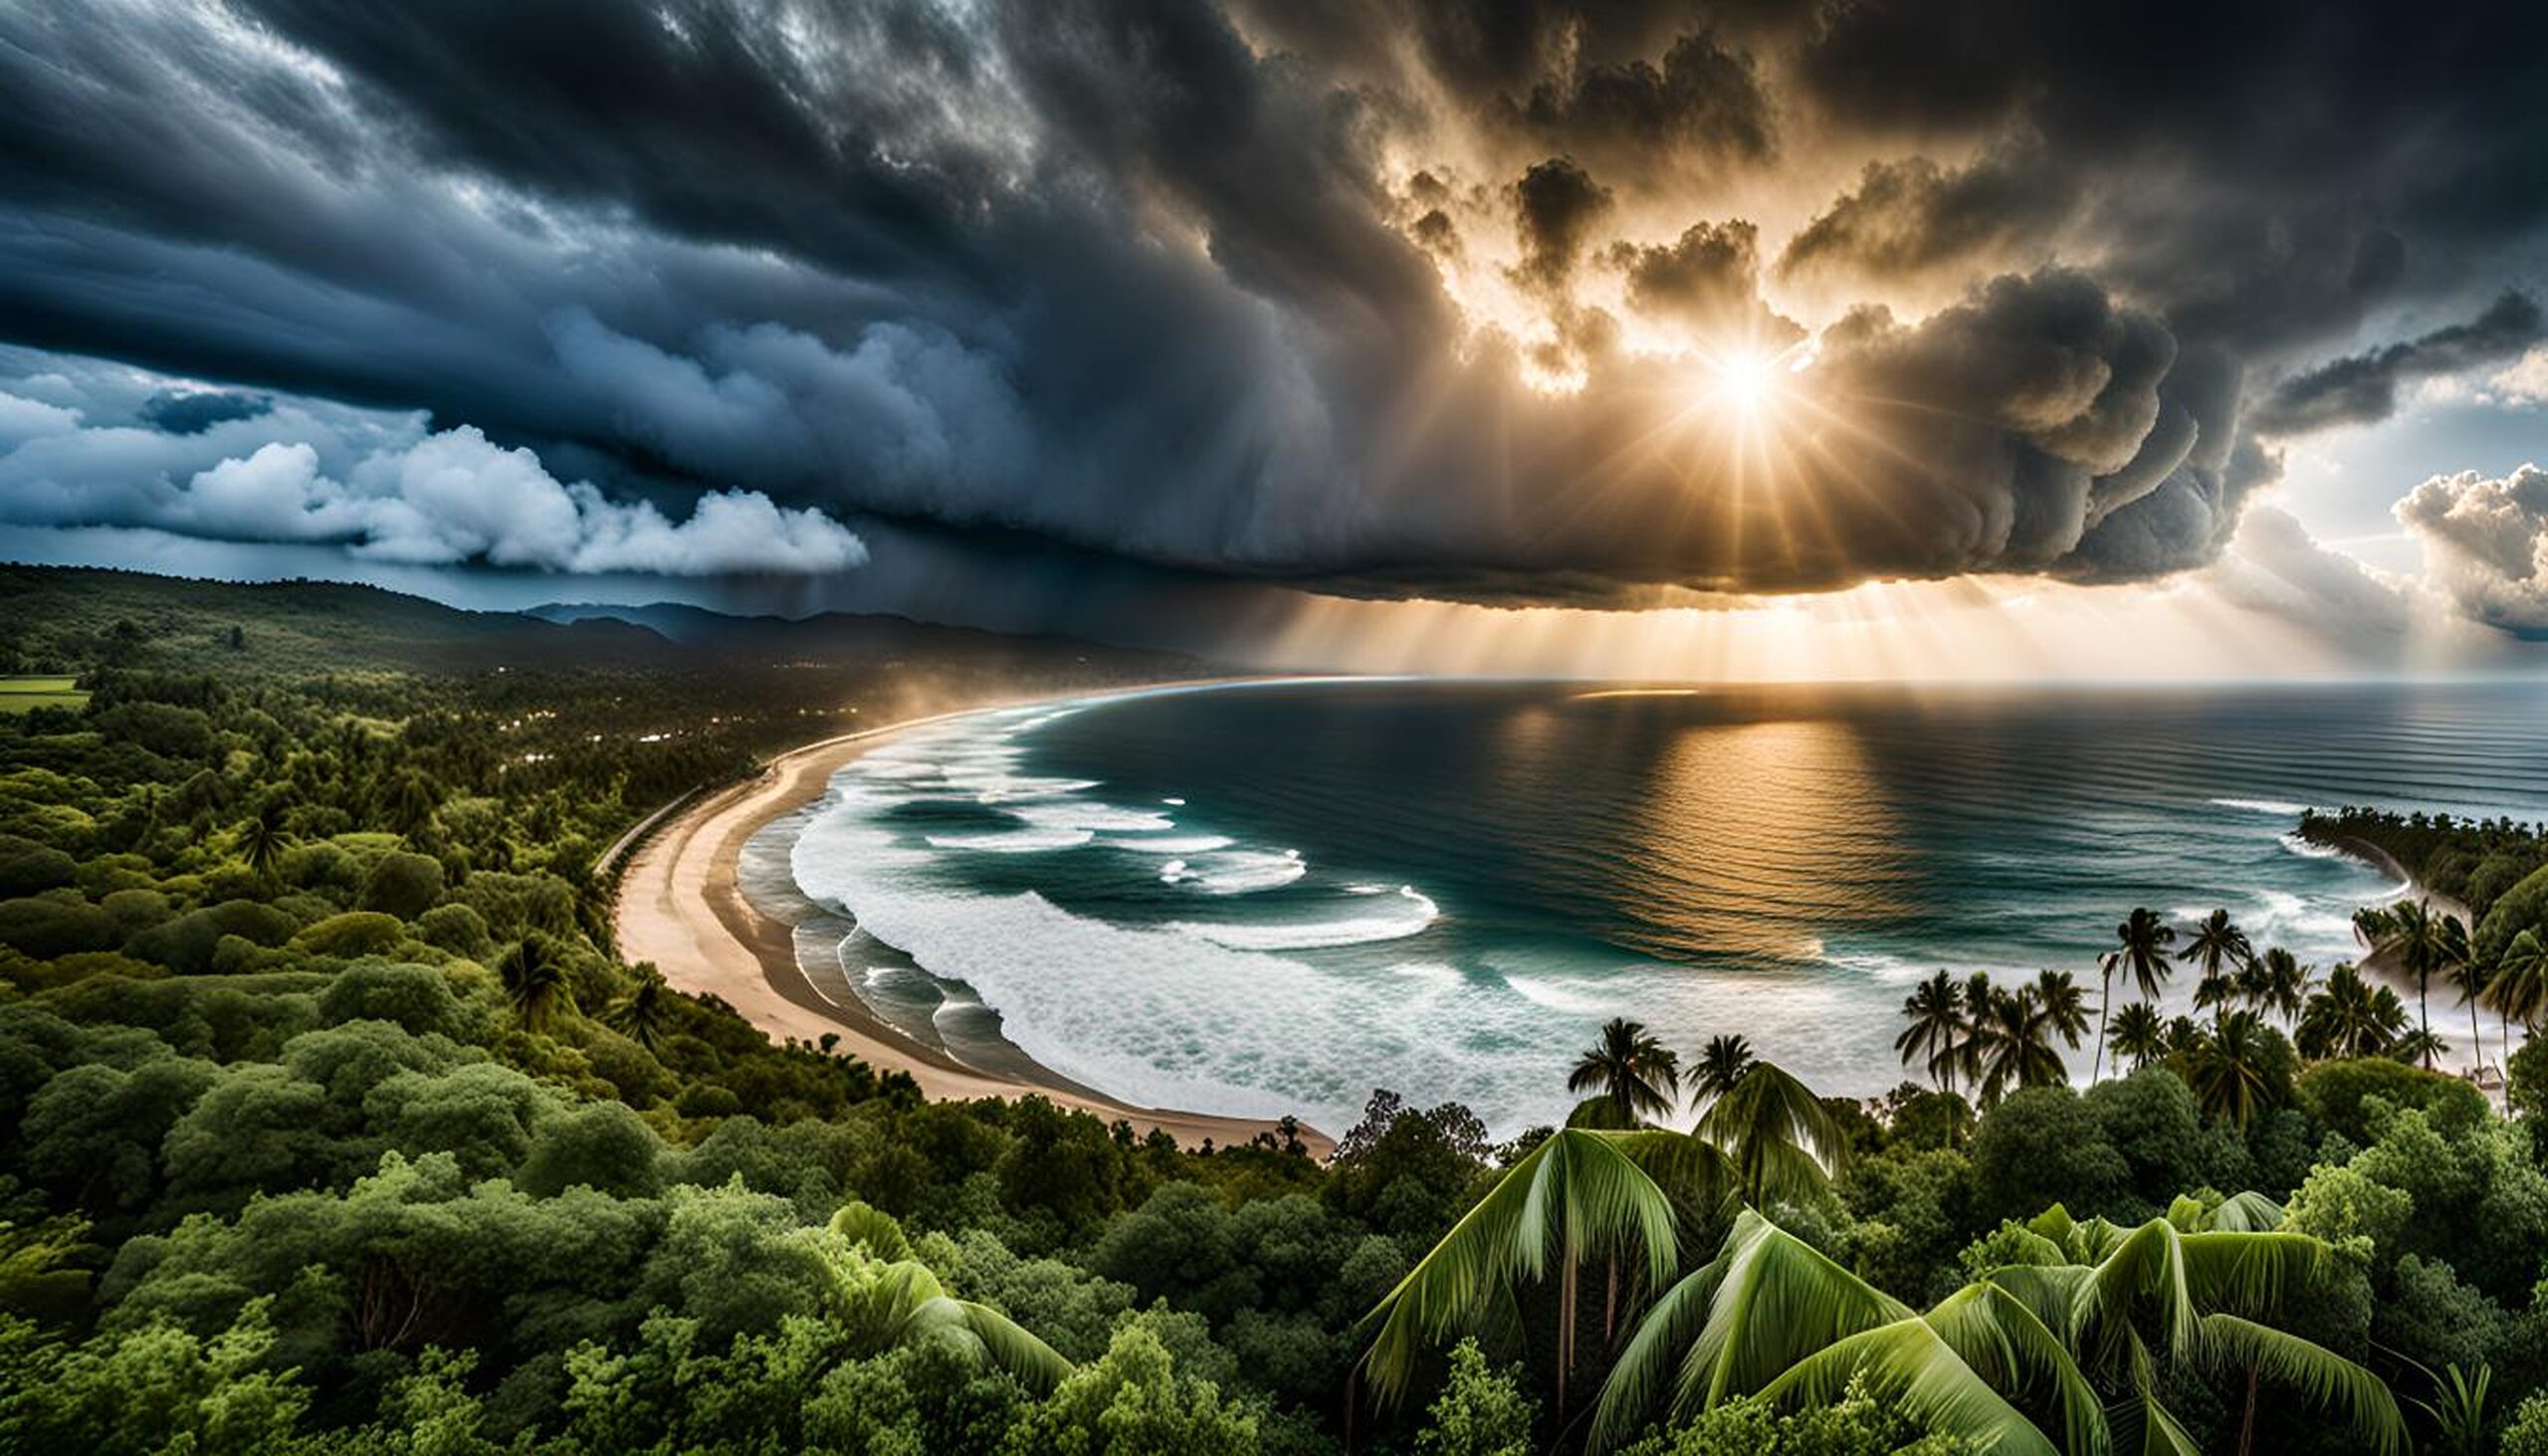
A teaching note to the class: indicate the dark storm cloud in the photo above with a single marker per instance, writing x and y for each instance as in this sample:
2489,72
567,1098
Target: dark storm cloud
1912,218
2364,387
193,411
1556,205
1204,288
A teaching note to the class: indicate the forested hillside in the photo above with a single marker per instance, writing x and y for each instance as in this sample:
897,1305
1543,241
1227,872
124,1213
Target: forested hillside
332,1122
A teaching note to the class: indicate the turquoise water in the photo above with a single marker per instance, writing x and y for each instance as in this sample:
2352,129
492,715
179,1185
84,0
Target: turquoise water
1268,899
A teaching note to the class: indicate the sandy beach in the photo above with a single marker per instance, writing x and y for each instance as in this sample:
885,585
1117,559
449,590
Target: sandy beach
681,905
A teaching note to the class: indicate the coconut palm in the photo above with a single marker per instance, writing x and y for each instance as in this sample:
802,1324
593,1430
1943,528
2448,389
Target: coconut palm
533,973
2350,1017
2146,939
1580,1194
2226,1071
2087,1324
1978,993
2421,944
884,1301
2279,984
2013,1035
2065,1010
643,1016
2420,1046
2467,972
1721,1064
2221,951
2518,991
263,840
1783,1142
1934,1011
2139,1034
2105,1008
1632,1071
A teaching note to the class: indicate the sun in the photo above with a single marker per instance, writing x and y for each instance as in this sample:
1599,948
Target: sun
1746,381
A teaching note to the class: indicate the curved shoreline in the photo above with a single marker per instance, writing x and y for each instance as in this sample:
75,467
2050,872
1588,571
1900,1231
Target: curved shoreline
681,905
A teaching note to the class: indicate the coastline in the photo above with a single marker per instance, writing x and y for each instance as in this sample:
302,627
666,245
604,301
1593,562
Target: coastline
2384,964
681,905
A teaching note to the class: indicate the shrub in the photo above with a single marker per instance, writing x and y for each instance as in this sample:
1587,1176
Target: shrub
403,884
355,933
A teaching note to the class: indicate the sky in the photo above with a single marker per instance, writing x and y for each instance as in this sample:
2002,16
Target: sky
1860,338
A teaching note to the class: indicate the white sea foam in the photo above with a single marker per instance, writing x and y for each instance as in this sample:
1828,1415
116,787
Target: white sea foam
1412,915
1175,844
1244,872
1032,839
2309,849
2264,806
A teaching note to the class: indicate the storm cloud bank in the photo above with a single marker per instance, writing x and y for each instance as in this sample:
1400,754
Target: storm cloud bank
1392,299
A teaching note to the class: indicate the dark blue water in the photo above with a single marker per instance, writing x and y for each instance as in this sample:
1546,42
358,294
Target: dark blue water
1276,898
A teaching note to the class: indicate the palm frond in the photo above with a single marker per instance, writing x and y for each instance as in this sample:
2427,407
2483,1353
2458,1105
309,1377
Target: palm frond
2249,1273
1999,1334
871,1228
2248,1212
1579,1191
1779,1299
1013,1347
1913,1368
1648,1364
2321,1377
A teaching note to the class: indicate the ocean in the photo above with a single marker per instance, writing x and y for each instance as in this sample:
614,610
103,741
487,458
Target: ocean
1262,899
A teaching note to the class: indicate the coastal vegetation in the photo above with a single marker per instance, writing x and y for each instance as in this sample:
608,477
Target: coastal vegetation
333,1121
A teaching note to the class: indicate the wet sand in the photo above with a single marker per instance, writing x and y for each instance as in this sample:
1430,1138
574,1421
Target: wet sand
681,905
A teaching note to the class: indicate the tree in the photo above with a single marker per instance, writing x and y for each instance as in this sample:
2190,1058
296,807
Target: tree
2460,961
2105,1007
2221,951
1934,1011
2350,1017
2086,1322
1632,1070
1481,1411
2064,1007
2518,989
2139,1034
1721,1064
2145,941
644,1015
2226,1071
2012,1038
2422,942
1783,1142
1581,1193
534,972
263,840
2279,984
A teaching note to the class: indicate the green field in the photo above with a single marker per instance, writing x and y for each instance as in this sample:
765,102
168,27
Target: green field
17,695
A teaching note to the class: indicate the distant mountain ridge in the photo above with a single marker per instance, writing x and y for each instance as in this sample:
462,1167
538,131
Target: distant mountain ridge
72,618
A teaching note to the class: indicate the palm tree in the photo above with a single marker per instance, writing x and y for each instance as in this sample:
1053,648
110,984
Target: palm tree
1721,1064
883,1301
2013,1040
2105,1008
1580,1195
1783,1142
2460,963
2140,1034
2416,935
2146,939
535,978
2065,1010
2088,1326
1634,1072
1934,1011
2225,1070
645,1013
2279,984
2419,1045
2223,951
2518,991
263,840
2350,1017
1978,994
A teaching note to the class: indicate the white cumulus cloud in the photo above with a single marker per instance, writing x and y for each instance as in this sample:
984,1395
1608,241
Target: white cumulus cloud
2486,545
